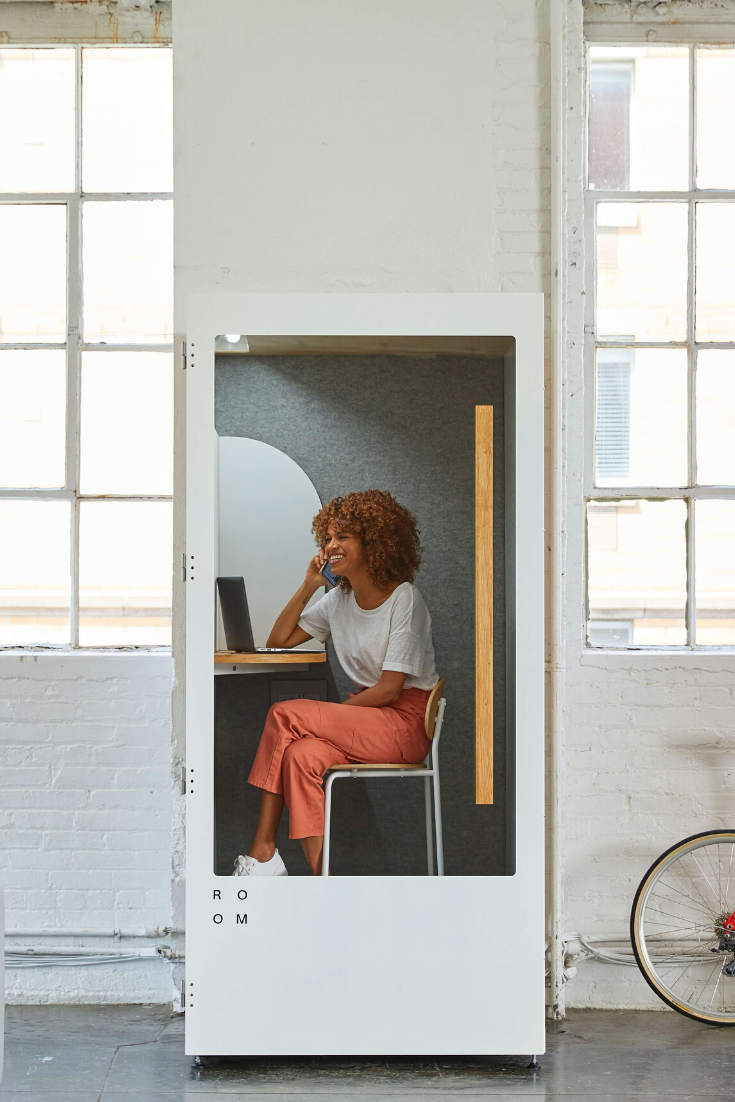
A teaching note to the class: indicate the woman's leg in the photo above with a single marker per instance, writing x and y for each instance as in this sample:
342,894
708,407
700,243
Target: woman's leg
312,848
300,741
289,723
271,807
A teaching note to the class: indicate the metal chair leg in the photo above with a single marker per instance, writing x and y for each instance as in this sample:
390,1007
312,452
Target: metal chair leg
327,823
429,831
438,820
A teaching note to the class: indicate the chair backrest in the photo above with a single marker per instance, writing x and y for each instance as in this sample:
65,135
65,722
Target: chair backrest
432,707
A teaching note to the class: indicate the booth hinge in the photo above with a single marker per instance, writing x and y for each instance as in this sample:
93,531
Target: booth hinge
183,994
183,780
183,354
187,567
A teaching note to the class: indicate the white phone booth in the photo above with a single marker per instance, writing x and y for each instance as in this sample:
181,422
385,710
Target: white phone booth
373,963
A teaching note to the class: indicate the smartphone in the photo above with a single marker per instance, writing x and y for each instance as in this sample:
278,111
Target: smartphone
328,575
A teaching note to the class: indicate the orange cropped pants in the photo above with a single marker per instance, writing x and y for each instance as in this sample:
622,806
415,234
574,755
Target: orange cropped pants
303,738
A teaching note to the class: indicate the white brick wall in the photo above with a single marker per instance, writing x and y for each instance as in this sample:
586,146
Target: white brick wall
648,739
649,760
85,807
88,802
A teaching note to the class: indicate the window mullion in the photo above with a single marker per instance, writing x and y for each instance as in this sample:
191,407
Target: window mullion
74,331
692,416
692,357
691,614
691,256
590,336
692,117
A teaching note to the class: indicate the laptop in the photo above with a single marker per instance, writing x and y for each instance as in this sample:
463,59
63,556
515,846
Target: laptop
233,601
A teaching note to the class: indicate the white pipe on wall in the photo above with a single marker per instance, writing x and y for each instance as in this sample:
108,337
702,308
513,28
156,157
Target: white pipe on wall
150,932
558,20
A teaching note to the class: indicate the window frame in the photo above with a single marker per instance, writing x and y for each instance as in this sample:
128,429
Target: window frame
75,345
691,492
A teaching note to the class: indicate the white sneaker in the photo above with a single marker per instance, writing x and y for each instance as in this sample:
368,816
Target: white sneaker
248,866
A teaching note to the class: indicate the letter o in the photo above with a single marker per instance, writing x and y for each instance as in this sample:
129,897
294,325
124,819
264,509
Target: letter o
242,894
217,919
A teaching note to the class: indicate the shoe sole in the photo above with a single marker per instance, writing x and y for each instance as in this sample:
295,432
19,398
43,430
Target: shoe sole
283,873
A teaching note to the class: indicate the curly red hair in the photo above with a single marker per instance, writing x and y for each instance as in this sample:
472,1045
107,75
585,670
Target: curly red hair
388,531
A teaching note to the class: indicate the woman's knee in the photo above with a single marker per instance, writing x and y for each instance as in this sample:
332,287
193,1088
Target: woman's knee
289,712
299,757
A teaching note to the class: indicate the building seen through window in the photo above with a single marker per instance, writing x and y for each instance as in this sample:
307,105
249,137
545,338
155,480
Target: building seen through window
661,346
86,332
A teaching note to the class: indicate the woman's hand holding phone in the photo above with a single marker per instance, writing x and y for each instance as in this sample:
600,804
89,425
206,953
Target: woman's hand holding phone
313,572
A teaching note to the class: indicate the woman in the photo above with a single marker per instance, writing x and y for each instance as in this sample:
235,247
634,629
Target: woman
381,632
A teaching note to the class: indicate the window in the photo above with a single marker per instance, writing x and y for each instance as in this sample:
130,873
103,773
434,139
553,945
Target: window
660,216
86,354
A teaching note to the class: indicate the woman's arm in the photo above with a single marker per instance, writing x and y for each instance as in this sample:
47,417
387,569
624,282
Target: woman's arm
286,632
382,695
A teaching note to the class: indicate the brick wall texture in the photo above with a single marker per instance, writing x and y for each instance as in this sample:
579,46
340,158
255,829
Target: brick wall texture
85,806
89,810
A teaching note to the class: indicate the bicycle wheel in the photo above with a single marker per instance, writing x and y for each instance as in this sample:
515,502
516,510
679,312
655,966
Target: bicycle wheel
682,927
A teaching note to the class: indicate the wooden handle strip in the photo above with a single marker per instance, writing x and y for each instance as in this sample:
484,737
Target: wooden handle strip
483,604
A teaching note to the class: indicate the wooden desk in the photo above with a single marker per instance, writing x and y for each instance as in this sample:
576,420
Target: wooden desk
228,661
232,656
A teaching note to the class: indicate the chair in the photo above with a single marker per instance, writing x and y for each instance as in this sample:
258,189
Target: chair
428,769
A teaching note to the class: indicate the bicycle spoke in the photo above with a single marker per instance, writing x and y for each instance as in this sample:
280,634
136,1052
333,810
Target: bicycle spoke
685,968
708,855
704,874
716,986
669,914
729,871
698,908
685,870
716,965
684,892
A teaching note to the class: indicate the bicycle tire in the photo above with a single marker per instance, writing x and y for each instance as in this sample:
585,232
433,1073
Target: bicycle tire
637,918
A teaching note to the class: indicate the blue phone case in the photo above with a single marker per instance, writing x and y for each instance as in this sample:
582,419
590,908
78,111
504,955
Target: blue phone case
326,573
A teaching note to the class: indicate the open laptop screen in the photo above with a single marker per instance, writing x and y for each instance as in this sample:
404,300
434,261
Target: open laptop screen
235,614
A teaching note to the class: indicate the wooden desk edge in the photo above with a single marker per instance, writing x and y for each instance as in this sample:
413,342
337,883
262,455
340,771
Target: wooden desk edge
296,657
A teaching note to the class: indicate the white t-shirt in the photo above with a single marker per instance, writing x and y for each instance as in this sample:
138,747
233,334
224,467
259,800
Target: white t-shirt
394,636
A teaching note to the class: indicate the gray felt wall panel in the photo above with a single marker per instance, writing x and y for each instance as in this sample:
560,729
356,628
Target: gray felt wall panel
406,425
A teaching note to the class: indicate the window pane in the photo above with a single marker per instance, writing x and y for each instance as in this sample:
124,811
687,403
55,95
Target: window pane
715,302
35,582
639,118
32,418
642,271
715,573
637,572
127,139
125,566
37,108
715,113
128,272
716,418
641,417
32,273
127,423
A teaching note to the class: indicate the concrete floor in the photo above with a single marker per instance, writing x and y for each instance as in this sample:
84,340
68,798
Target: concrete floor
121,1054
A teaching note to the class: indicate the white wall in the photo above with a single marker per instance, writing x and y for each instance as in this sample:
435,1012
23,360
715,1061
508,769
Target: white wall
361,147
353,147
429,171
86,776
368,147
85,743
647,738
